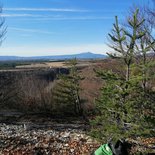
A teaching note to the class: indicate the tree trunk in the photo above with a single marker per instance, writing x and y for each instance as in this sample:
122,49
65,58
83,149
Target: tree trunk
128,72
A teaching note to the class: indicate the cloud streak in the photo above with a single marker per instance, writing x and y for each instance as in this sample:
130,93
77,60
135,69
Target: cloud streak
46,9
50,18
30,30
77,18
20,15
59,10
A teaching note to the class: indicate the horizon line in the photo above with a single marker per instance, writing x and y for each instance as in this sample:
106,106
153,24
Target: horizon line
52,55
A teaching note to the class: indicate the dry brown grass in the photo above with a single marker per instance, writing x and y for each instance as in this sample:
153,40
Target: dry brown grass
43,65
57,64
90,85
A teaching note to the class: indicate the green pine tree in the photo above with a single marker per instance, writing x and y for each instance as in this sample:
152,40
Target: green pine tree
67,91
120,109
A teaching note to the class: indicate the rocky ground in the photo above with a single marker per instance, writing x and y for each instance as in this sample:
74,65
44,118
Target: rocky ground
32,139
38,135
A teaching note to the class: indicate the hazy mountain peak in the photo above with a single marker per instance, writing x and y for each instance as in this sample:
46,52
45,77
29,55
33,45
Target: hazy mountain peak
84,55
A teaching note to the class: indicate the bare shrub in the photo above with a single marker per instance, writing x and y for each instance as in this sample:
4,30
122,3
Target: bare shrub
7,91
34,94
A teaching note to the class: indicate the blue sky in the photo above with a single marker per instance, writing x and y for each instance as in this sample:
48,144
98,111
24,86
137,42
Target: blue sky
55,27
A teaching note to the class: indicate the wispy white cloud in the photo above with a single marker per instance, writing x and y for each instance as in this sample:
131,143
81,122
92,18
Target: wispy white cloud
45,17
20,15
46,9
76,18
56,17
30,30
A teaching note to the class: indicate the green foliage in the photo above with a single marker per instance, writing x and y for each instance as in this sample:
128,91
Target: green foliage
13,64
7,65
124,40
120,111
67,91
126,107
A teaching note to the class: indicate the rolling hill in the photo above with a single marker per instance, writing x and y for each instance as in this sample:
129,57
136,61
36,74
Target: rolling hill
86,55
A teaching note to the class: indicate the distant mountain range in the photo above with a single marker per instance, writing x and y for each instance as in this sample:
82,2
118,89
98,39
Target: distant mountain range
86,55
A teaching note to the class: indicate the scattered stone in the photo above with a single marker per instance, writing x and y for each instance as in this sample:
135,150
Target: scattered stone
29,140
